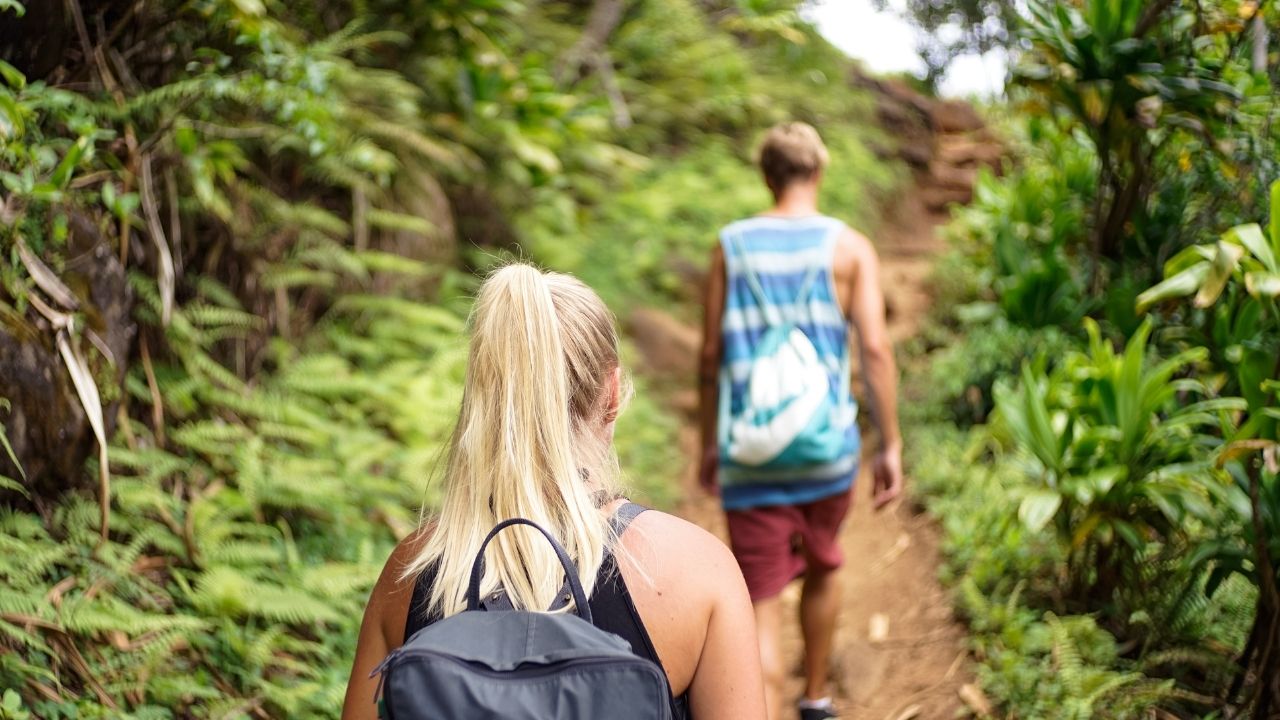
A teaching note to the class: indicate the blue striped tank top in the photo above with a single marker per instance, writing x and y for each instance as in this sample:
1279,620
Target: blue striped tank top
782,252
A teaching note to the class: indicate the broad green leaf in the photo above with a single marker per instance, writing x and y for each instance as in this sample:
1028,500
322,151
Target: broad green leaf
62,174
250,7
1161,498
1180,285
11,125
1101,481
1038,508
1251,237
531,153
8,483
1128,533
8,449
1232,404
1040,437
1275,218
12,76
1187,257
1225,260
1260,284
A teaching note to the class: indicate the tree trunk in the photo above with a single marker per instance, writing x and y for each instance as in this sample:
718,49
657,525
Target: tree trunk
1266,626
1259,44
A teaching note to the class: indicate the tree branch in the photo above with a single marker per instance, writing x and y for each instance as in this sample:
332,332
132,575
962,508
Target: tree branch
604,18
1151,16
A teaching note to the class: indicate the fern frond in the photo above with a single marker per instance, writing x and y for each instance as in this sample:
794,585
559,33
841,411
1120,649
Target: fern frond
1066,656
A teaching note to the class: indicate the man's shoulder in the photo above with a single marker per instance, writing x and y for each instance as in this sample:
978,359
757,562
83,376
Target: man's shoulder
853,248
767,222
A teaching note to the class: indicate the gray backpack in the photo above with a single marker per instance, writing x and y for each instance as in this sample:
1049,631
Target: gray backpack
518,665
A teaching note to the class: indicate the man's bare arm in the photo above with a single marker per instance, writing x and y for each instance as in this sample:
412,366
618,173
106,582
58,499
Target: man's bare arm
867,312
709,367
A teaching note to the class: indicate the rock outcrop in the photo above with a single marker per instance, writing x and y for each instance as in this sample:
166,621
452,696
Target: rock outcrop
945,142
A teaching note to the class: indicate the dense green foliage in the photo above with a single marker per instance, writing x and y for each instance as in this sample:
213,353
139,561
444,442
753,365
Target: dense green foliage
301,197
1112,543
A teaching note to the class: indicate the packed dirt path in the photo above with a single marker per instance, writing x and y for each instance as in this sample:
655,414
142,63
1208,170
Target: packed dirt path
900,653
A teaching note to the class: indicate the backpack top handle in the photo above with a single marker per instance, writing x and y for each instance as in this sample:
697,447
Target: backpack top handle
570,570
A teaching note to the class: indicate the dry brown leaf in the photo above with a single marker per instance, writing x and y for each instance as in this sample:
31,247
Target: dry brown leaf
909,713
977,701
168,278
878,629
87,391
899,546
45,278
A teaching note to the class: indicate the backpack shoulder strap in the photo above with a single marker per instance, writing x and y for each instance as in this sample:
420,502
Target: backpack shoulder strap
619,523
623,517
733,246
810,279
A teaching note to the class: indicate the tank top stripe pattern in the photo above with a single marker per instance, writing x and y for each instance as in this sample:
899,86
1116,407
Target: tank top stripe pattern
782,252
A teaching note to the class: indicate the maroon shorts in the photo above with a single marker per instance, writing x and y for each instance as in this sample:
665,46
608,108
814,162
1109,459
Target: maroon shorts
777,544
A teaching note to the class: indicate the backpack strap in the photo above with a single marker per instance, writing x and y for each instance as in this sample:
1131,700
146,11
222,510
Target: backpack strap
618,523
570,570
770,313
623,517
806,288
810,280
753,282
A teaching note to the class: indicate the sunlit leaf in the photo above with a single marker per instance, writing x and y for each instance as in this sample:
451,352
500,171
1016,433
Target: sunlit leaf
1242,448
1275,219
11,74
250,7
1260,284
1184,283
62,174
1225,260
1251,237
1038,508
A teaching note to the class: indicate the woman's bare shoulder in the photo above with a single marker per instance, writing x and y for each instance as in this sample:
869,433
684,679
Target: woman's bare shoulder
392,594
676,552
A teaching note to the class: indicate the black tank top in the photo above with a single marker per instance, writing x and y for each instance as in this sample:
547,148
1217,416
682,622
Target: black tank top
612,608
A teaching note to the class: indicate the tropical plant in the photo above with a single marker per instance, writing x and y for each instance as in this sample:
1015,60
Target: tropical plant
1116,458
1236,288
1026,229
1129,73
1038,663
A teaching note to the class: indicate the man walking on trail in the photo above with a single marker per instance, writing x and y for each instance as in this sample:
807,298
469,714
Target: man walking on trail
778,420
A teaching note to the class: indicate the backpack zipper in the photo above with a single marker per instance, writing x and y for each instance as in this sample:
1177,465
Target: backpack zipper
384,668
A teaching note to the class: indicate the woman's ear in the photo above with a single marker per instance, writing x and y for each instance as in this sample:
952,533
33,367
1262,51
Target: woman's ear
614,396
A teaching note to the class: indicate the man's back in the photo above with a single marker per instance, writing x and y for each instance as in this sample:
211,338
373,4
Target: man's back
784,521
779,271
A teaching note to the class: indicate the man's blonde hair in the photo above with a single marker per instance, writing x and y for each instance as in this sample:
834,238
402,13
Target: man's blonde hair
791,151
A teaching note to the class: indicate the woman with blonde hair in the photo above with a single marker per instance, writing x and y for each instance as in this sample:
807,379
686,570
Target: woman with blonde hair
534,440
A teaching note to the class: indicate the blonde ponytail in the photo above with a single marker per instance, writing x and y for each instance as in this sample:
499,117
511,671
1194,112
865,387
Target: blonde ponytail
530,441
